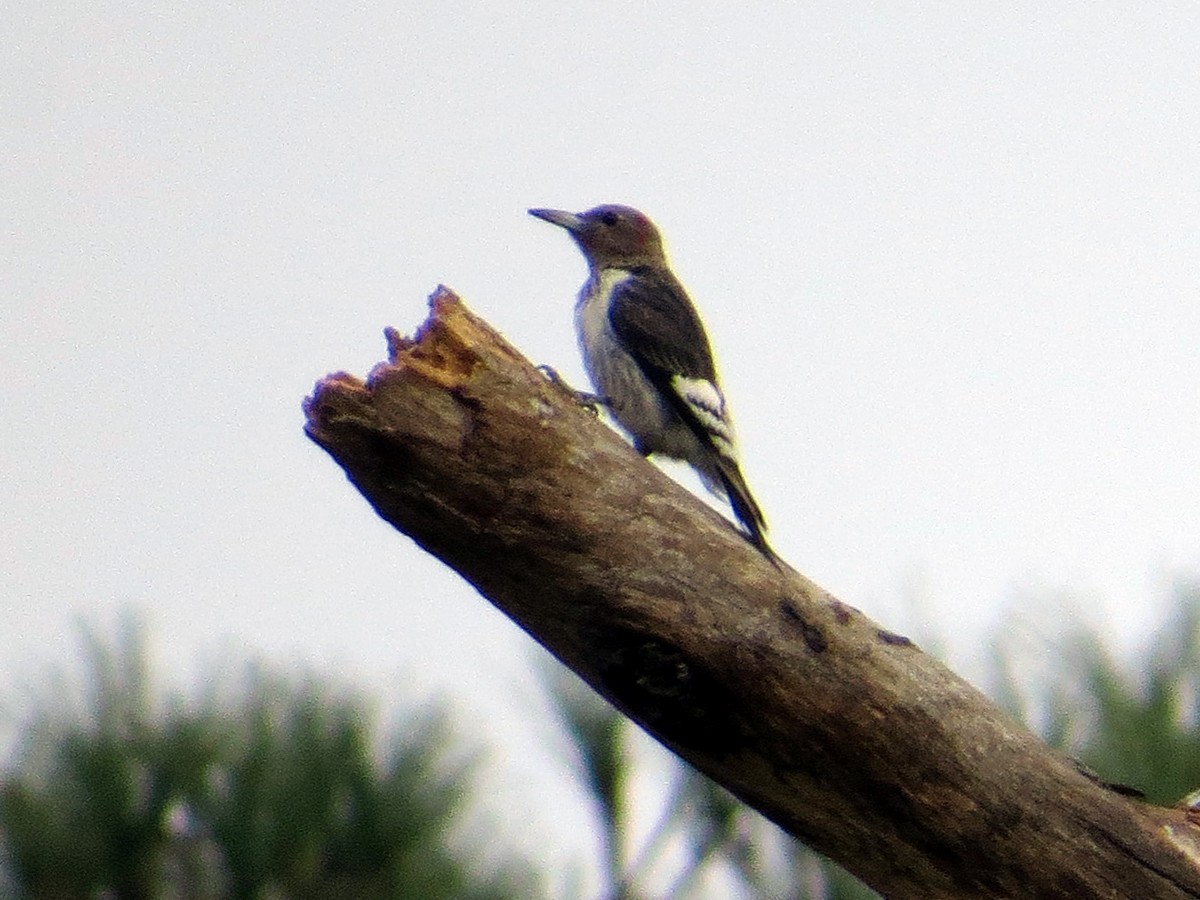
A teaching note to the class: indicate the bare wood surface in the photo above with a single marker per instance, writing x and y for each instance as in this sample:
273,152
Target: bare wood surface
848,736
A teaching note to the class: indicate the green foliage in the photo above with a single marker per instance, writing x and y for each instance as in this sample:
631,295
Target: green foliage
1134,727
274,790
703,836
272,793
597,735
1138,728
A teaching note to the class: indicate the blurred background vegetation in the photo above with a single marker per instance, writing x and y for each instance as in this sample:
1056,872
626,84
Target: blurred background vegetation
273,786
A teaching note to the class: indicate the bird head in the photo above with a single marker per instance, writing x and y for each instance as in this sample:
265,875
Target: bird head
610,236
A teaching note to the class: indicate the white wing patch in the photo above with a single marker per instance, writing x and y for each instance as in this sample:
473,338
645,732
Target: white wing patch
705,400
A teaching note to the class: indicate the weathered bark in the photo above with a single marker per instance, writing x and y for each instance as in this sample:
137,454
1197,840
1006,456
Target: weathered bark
843,733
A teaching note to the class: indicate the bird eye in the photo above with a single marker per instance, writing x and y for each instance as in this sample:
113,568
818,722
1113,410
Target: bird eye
609,218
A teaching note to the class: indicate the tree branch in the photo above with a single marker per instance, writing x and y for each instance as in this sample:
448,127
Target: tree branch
846,735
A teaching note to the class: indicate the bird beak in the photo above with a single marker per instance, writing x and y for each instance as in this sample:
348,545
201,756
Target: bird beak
568,220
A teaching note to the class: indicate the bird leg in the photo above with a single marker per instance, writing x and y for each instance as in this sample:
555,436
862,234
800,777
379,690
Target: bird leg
591,402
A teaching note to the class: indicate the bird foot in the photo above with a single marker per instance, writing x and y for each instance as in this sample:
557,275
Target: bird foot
590,402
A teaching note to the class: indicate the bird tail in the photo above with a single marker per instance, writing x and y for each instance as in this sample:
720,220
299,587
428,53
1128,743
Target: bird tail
701,408
730,481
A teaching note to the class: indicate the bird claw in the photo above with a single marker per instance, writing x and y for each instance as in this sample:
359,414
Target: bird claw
590,402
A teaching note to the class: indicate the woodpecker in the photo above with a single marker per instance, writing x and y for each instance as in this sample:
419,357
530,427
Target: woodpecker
645,350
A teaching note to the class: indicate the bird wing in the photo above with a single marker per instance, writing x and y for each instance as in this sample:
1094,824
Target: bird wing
656,323
658,326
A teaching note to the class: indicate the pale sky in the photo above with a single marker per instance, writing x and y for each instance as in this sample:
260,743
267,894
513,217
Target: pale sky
948,256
